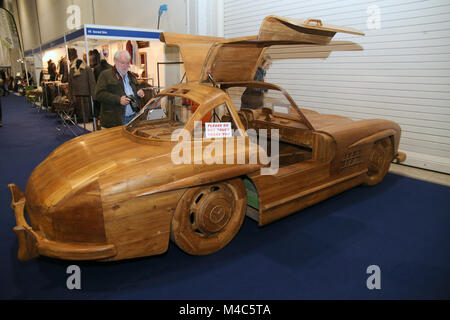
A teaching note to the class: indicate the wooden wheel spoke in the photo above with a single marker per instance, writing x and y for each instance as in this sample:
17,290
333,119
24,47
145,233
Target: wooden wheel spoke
192,219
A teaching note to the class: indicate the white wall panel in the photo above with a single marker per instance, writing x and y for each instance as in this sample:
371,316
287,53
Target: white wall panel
400,72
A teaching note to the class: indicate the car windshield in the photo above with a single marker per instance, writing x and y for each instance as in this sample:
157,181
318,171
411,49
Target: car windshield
254,96
161,117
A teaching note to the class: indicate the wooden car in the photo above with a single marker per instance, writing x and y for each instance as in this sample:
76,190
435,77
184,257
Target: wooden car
120,193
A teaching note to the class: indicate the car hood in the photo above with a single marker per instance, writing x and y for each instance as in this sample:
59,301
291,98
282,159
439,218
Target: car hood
117,165
92,158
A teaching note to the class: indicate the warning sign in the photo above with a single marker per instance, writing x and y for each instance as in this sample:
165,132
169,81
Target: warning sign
218,130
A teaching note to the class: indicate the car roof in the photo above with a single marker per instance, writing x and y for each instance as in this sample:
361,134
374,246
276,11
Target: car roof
201,93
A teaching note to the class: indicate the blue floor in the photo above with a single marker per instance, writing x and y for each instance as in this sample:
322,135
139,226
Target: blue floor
402,225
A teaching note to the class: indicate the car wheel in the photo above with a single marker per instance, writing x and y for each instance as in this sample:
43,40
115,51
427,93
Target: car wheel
208,217
380,159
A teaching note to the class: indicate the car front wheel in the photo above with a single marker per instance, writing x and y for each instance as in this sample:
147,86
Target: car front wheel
208,217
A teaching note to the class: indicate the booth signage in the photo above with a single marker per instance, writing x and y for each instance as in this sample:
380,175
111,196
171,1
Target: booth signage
104,32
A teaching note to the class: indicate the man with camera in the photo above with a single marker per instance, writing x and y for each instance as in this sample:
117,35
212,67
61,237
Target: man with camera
117,92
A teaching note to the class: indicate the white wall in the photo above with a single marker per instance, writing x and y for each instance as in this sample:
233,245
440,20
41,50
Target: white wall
402,72
141,14
28,14
205,17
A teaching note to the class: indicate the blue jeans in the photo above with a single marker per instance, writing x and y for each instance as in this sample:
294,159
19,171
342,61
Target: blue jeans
127,119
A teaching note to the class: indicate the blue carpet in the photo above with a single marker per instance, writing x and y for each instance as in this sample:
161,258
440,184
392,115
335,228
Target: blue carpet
402,225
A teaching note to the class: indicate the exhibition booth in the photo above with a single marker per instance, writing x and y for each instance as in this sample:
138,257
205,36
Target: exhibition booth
50,67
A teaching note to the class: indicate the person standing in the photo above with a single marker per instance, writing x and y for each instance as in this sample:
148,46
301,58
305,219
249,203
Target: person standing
2,93
253,98
4,85
116,89
99,65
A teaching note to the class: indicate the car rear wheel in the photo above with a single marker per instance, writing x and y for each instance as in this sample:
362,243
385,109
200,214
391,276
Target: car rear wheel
380,159
208,217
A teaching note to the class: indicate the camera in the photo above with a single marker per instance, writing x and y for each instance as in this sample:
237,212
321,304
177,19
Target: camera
133,103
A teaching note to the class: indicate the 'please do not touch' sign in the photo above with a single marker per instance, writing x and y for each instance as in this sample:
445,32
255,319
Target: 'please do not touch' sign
218,130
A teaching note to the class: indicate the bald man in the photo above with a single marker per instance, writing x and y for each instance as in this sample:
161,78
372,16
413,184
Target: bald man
114,89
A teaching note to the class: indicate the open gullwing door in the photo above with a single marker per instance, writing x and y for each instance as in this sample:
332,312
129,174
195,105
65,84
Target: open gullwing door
231,60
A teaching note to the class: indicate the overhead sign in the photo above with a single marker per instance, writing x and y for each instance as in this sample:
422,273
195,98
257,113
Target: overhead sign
121,33
100,32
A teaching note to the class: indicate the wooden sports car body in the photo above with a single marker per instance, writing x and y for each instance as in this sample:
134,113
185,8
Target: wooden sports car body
118,193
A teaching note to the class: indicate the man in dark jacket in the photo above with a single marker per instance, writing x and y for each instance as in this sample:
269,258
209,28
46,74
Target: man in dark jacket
99,65
2,93
4,85
117,92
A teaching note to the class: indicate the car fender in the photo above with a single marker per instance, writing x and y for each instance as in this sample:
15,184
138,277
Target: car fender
202,178
353,140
